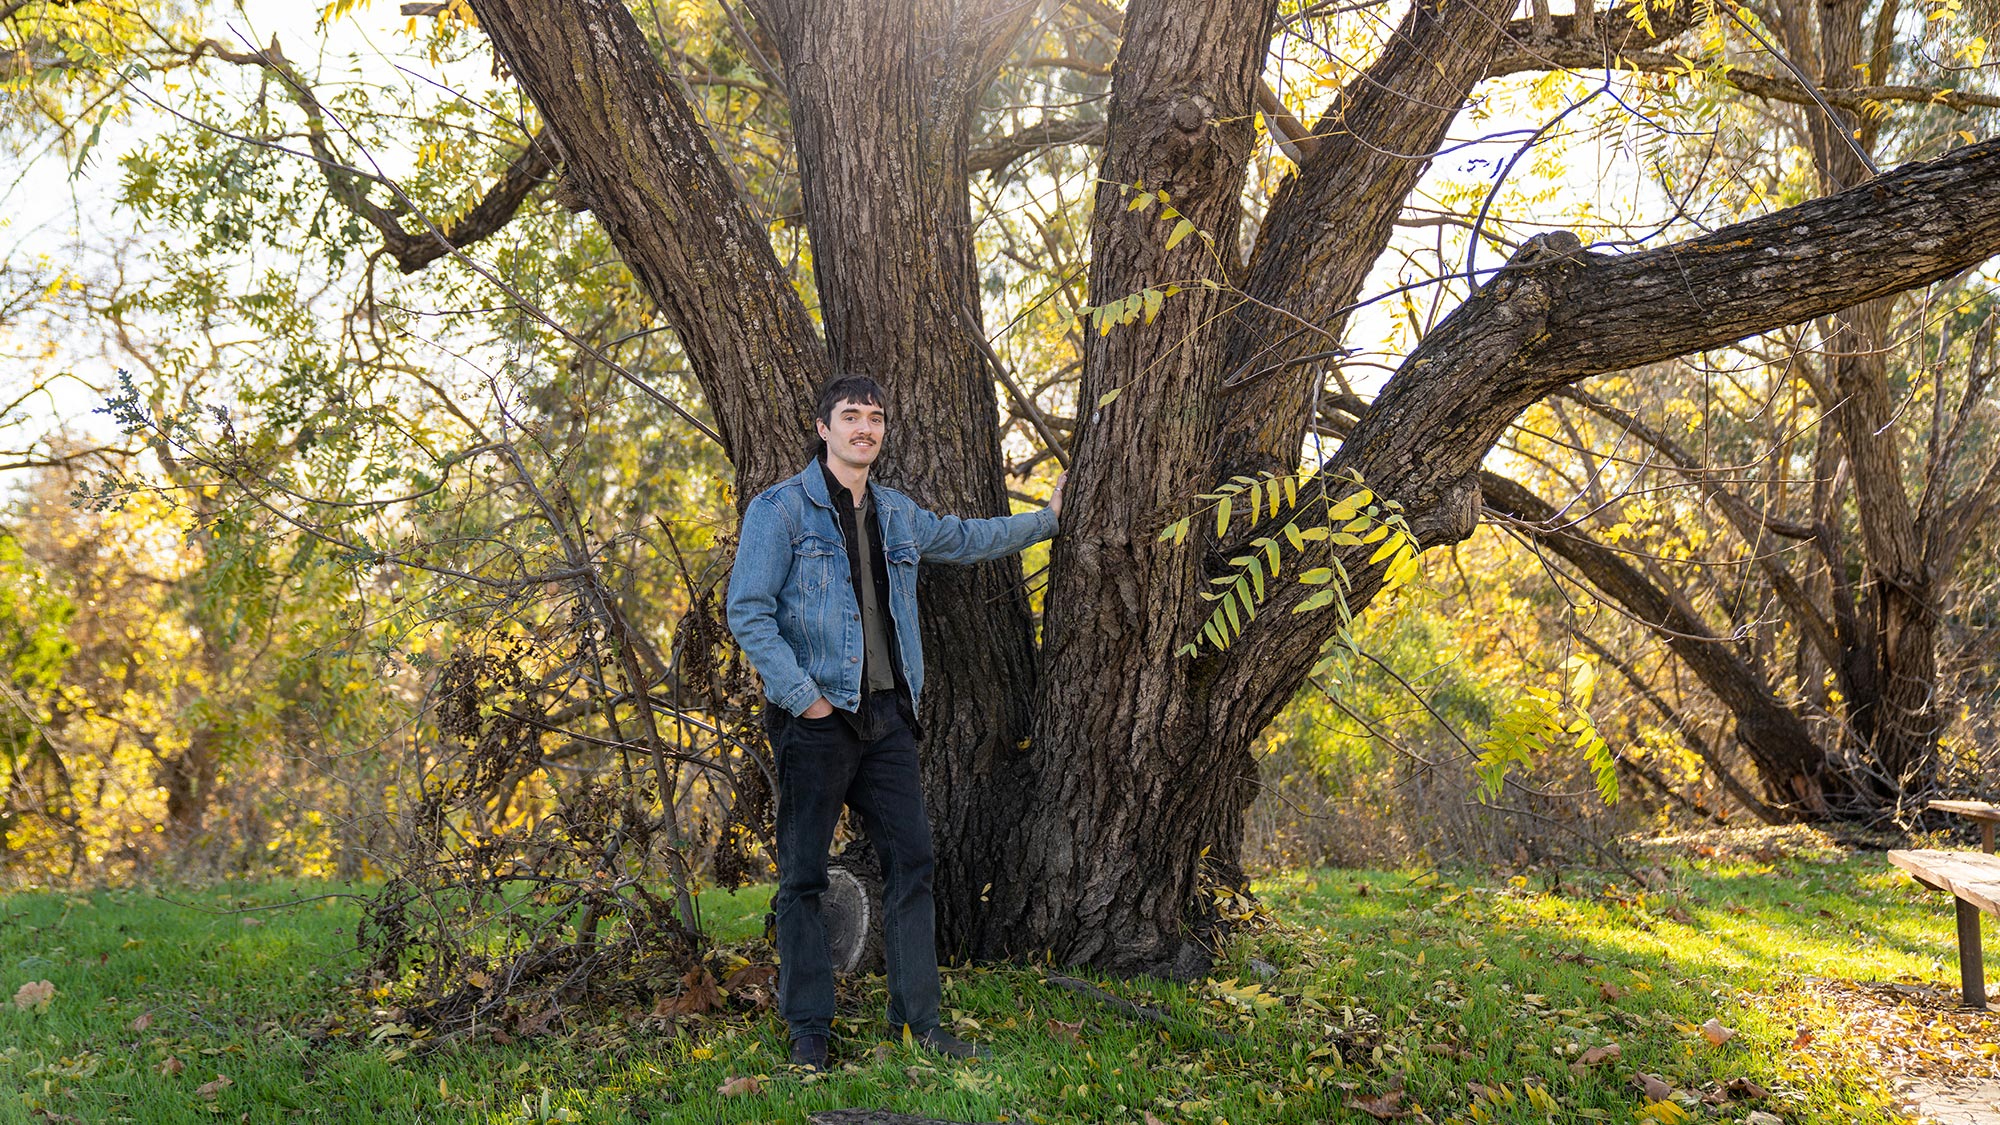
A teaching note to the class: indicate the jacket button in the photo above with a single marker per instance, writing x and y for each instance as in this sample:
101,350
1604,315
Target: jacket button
857,617
854,660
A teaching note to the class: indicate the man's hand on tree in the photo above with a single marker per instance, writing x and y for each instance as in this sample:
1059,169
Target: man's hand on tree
1055,498
820,709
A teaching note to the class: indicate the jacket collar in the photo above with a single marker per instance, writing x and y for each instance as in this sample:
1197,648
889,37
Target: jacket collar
813,477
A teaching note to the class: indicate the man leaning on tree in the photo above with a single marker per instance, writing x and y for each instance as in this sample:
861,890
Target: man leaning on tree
823,600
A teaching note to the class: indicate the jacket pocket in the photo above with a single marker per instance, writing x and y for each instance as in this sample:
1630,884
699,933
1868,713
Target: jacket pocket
813,562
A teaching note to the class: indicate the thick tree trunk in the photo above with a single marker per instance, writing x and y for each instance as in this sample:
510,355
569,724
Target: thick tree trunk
1131,789
1086,843
881,94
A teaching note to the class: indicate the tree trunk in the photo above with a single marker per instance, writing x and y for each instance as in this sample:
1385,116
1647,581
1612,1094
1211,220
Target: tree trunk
1131,789
1086,843
881,94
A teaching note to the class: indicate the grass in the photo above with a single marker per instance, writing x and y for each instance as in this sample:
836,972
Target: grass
1376,981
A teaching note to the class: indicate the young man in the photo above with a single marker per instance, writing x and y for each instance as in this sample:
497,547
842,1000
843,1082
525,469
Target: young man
823,600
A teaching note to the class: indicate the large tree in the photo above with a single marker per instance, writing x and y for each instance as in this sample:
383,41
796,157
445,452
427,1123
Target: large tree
1082,779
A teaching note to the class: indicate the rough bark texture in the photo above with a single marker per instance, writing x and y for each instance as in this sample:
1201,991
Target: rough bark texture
1130,789
635,152
1091,834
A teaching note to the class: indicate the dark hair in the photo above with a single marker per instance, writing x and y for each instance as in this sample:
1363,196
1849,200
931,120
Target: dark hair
845,388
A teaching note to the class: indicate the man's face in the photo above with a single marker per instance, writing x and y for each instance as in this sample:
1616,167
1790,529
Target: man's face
855,434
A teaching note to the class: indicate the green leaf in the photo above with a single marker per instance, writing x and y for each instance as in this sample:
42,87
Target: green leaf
1235,624
1175,531
1222,517
1154,299
1109,397
1181,230
1142,202
1257,577
1317,576
1319,600
1271,555
1297,540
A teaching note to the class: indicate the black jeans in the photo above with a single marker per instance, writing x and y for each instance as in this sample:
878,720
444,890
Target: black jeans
822,765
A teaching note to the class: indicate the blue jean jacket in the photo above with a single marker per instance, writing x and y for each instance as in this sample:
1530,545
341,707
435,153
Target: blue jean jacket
791,602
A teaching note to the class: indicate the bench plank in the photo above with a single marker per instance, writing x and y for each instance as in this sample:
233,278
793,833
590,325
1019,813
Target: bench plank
1977,810
1986,814
1973,878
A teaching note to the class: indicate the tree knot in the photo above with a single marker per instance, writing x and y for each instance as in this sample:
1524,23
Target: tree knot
1558,250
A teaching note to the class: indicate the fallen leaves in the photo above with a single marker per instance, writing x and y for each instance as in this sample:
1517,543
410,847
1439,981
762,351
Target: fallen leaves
1386,1107
144,1021
1655,1088
1070,1033
209,1090
698,994
1715,1033
171,1067
741,1086
34,996
1606,1053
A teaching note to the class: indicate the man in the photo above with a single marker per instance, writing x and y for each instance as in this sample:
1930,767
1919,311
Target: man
823,600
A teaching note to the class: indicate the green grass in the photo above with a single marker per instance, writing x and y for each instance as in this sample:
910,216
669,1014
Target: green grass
1478,981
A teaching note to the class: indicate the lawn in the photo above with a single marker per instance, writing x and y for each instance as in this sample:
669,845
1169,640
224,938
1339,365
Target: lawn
1354,996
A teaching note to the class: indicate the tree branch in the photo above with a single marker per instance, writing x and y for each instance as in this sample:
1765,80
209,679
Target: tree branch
1865,101
996,153
1686,731
412,251
1750,525
637,153
1556,314
1331,220
1775,737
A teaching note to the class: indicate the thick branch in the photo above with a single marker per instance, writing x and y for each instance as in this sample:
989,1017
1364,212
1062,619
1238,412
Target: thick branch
638,155
997,153
1556,315
1329,223
1865,101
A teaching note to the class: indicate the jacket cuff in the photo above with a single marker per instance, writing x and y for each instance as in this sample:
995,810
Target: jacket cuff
800,698
1045,524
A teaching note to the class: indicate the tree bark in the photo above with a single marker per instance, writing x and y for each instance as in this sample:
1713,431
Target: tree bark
1087,843
1130,789
636,153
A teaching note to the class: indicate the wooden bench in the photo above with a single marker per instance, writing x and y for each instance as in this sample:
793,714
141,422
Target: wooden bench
1973,878
1987,816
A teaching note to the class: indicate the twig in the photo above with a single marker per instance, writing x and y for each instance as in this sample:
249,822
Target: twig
1136,1010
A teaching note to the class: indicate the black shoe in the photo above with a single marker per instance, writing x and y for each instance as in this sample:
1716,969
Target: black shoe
809,1051
938,1041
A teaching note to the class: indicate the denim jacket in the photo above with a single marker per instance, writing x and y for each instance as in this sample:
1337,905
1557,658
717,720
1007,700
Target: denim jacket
791,602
